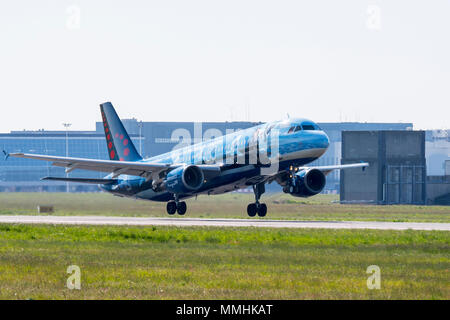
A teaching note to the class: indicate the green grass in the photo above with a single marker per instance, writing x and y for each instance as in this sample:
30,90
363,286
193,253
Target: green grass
232,205
215,263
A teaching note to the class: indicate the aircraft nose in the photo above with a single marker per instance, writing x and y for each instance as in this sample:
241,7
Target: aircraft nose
326,140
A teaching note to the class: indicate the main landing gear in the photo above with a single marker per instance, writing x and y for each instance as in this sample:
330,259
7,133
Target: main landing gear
176,206
257,208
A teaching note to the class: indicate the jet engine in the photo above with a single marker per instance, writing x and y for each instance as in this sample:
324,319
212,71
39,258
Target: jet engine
306,183
184,179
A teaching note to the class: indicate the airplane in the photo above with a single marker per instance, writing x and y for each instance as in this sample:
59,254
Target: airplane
270,152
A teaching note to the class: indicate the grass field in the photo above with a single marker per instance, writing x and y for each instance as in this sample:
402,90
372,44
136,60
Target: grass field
214,263
221,263
233,205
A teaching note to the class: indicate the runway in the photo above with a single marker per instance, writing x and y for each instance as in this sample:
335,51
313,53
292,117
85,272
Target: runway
187,222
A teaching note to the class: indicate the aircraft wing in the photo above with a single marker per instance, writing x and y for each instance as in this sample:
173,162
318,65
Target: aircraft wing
142,169
83,180
327,169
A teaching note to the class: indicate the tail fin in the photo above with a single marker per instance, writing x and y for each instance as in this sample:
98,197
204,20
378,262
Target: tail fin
120,146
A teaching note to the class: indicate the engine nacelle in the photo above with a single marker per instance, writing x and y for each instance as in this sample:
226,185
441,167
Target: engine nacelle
184,179
307,183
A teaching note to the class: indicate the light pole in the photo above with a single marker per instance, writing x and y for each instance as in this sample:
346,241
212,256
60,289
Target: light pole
67,125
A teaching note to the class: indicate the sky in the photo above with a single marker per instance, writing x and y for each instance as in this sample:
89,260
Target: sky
209,60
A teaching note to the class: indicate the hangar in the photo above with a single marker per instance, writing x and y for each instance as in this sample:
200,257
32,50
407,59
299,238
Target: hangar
397,171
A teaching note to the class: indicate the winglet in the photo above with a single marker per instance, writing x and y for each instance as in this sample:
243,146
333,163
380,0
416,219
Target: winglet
364,168
6,154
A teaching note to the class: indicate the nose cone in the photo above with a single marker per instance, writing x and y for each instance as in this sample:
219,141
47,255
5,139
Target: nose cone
325,140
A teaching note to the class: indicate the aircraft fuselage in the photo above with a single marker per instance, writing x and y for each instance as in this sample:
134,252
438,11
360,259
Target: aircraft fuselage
244,157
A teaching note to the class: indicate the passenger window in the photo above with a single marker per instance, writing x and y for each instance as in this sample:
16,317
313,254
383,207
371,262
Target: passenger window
291,129
297,128
308,127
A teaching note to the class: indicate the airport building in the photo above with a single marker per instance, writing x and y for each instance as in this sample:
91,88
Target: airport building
437,146
397,167
25,174
437,151
152,138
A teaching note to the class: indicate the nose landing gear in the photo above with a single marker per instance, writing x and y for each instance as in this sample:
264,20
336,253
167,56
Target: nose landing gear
257,207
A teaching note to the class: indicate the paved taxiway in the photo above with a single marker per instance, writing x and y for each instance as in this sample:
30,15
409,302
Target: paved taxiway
185,222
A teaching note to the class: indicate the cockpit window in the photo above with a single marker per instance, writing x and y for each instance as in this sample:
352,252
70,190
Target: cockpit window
304,126
308,127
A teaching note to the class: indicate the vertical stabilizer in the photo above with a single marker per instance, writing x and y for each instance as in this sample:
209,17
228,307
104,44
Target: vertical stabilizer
120,146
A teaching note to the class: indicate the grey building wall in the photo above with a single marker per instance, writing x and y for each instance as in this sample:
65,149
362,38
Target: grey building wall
397,171
438,190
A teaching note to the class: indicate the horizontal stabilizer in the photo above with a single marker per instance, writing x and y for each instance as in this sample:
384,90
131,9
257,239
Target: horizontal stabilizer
83,180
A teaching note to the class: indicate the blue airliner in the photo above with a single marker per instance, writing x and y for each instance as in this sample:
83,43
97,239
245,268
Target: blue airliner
272,152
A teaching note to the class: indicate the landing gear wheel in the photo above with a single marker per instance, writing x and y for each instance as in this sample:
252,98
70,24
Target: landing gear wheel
181,208
171,207
262,210
251,209
257,208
